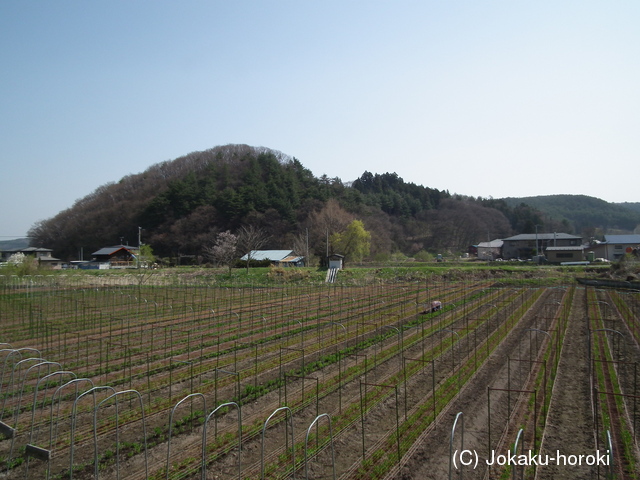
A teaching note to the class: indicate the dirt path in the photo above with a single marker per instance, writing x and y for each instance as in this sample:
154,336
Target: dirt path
570,427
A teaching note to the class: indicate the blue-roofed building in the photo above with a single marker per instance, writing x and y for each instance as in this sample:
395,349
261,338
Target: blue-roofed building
280,258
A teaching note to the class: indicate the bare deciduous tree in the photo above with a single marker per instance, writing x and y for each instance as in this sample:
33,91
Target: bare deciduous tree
458,224
250,239
301,247
332,218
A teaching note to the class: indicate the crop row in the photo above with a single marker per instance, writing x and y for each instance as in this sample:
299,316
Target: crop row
330,341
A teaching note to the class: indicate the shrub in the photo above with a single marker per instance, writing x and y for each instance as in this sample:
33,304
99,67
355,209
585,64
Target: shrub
423,256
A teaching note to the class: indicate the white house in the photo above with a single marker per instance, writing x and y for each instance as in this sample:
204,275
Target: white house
490,250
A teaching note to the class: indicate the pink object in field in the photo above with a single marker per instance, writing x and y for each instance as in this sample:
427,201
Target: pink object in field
433,307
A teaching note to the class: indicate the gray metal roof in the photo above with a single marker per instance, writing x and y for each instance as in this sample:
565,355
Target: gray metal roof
36,249
543,236
272,255
49,259
624,239
114,249
492,244
28,250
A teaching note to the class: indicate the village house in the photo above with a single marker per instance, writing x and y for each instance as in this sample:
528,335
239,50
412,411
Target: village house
490,250
528,245
615,246
43,255
118,256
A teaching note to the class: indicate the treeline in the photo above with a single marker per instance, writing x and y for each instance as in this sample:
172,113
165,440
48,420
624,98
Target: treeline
181,205
587,215
635,206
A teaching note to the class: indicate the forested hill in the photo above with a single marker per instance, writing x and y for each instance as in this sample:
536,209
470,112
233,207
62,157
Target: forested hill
583,213
181,205
635,206
17,244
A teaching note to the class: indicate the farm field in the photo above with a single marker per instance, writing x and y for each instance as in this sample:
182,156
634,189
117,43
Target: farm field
178,378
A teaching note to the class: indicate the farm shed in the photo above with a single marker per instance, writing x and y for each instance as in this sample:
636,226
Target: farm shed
279,258
565,254
336,261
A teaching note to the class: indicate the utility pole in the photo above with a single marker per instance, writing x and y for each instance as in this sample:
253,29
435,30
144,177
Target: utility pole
327,247
537,248
139,245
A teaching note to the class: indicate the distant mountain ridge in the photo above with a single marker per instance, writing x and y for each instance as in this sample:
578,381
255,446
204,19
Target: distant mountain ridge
15,244
584,212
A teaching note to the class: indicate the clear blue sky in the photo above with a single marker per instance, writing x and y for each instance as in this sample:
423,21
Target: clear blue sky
483,98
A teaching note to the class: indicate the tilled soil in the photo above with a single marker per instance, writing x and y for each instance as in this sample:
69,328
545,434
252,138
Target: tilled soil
570,428
430,456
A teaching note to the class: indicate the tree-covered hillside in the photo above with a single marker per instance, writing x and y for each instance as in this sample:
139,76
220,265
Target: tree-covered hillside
17,244
635,206
181,205
583,213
